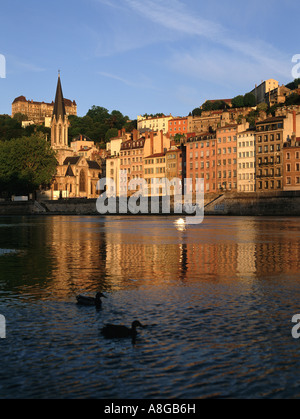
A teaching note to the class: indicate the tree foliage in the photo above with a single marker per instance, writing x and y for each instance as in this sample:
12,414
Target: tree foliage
97,122
238,102
25,164
293,85
12,128
249,100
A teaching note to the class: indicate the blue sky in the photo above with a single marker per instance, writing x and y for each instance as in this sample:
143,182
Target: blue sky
141,56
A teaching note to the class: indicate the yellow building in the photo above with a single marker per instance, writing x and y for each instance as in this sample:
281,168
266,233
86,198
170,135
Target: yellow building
40,112
155,174
154,124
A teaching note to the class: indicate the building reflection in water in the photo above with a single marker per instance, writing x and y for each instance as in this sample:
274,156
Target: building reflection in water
87,253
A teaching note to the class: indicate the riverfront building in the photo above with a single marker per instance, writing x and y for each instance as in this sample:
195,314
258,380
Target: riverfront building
291,165
246,161
271,134
201,161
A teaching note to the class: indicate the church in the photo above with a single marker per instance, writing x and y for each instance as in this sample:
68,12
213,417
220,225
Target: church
76,176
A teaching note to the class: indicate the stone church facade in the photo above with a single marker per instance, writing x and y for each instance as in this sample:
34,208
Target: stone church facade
76,176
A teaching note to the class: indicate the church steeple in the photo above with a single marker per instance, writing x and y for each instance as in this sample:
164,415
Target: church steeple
59,105
60,123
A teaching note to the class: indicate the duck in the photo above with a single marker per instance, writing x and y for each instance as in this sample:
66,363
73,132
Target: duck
90,301
111,331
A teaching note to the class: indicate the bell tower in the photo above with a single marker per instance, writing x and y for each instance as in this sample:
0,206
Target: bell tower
60,123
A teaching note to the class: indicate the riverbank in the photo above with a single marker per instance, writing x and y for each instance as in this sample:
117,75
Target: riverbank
235,204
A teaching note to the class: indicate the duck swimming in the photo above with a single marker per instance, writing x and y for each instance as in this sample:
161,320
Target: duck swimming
115,331
90,301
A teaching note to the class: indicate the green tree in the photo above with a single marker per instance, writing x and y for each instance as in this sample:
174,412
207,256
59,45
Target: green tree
293,99
262,107
238,102
207,106
130,125
111,133
293,85
179,138
197,112
20,117
26,163
10,128
249,100
98,114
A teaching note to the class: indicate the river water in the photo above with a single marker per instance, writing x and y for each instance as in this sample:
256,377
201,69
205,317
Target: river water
217,299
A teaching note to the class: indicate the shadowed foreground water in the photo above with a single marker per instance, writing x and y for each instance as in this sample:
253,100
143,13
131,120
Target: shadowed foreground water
218,299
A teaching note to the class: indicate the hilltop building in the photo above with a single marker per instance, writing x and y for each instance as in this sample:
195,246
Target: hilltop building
40,112
154,123
265,87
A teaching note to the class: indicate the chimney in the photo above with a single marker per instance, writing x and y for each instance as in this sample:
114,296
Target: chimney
151,143
294,123
123,132
119,133
135,135
162,141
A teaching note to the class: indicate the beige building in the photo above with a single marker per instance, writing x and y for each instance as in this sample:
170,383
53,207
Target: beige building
265,87
271,134
210,121
246,161
83,146
277,96
154,124
39,111
155,174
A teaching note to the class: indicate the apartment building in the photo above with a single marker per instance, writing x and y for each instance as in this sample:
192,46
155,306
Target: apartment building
178,126
201,154
155,174
291,164
83,146
174,162
155,168
246,161
271,134
131,163
154,124
113,165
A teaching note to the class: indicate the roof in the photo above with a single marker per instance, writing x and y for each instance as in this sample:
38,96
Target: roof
59,105
93,165
220,100
156,155
69,172
273,119
129,144
81,137
20,99
67,102
71,160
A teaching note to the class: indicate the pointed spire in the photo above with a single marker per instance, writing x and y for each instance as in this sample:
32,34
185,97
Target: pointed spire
59,105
